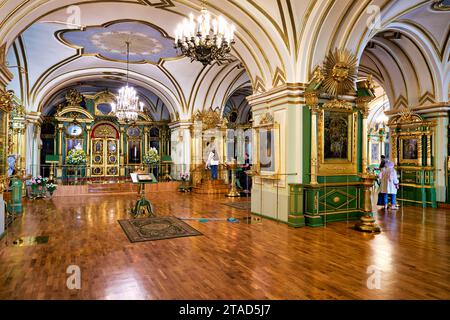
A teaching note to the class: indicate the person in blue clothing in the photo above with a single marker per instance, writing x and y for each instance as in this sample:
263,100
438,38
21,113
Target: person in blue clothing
213,163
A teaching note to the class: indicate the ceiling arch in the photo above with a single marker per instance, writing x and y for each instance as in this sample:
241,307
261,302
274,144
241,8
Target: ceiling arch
277,42
260,46
72,78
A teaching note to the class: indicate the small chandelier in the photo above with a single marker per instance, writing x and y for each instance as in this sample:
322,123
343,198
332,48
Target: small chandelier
128,105
206,40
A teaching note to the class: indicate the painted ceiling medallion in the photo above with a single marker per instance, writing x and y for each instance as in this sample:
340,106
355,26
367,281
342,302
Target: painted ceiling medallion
441,5
339,73
112,41
149,43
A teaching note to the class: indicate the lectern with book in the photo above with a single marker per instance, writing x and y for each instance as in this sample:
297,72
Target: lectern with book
142,206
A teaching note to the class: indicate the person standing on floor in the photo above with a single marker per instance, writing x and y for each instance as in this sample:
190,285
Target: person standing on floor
389,184
380,201
213,163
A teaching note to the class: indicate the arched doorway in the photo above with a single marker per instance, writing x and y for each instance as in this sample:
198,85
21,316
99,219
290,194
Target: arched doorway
104,151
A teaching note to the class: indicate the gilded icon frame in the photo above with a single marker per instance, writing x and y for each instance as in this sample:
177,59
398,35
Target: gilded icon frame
337,166
267,123
410,136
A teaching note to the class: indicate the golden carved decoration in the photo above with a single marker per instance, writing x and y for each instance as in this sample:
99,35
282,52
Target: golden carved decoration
104,97
210,118
338,105
362,103
73,97
7,100
312,99
4,183
104,131
266,119
318,75
339,72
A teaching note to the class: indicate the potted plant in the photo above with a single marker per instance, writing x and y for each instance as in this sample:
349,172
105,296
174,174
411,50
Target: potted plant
184,176
38,187
51,187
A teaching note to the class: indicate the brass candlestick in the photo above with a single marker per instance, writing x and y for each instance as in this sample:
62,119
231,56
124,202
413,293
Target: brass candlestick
233,191
367,221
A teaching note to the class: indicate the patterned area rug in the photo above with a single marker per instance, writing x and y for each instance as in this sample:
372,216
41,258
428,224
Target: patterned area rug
244,205
156,228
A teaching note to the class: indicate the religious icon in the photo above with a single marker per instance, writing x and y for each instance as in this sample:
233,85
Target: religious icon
375,153
133,132
134,151
336,128
98,146
409,149
112,146
267,150
74,130
76,144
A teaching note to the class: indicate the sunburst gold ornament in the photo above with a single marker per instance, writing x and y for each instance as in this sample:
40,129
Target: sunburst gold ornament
339,72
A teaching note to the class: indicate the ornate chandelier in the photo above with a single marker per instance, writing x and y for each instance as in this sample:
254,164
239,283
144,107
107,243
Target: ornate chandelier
206,40
128,105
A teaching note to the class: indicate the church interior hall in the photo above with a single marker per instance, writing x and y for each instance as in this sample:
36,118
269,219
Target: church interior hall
202,150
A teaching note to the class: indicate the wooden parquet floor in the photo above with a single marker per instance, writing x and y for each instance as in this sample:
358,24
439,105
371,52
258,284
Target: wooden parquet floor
230,261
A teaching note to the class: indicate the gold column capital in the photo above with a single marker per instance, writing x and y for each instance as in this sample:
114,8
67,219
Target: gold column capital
312,100
362,103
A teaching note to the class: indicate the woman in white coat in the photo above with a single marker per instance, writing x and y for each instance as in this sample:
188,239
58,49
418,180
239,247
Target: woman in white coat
389,184
213,163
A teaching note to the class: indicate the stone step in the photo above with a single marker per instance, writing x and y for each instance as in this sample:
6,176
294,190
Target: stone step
210,191
112,188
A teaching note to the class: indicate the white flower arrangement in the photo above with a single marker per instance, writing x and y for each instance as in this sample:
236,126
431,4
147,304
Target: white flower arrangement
151,157
184,176
76,156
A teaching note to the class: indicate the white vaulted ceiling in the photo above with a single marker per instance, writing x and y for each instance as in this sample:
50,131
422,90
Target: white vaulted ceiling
277,42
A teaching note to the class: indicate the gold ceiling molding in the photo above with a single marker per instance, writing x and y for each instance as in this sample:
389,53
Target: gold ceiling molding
259,85
290,93
166,5
318,25
400,102
339,72
279,79
60,36
440,5
5,75
160,5
427,97
284,34
388,22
